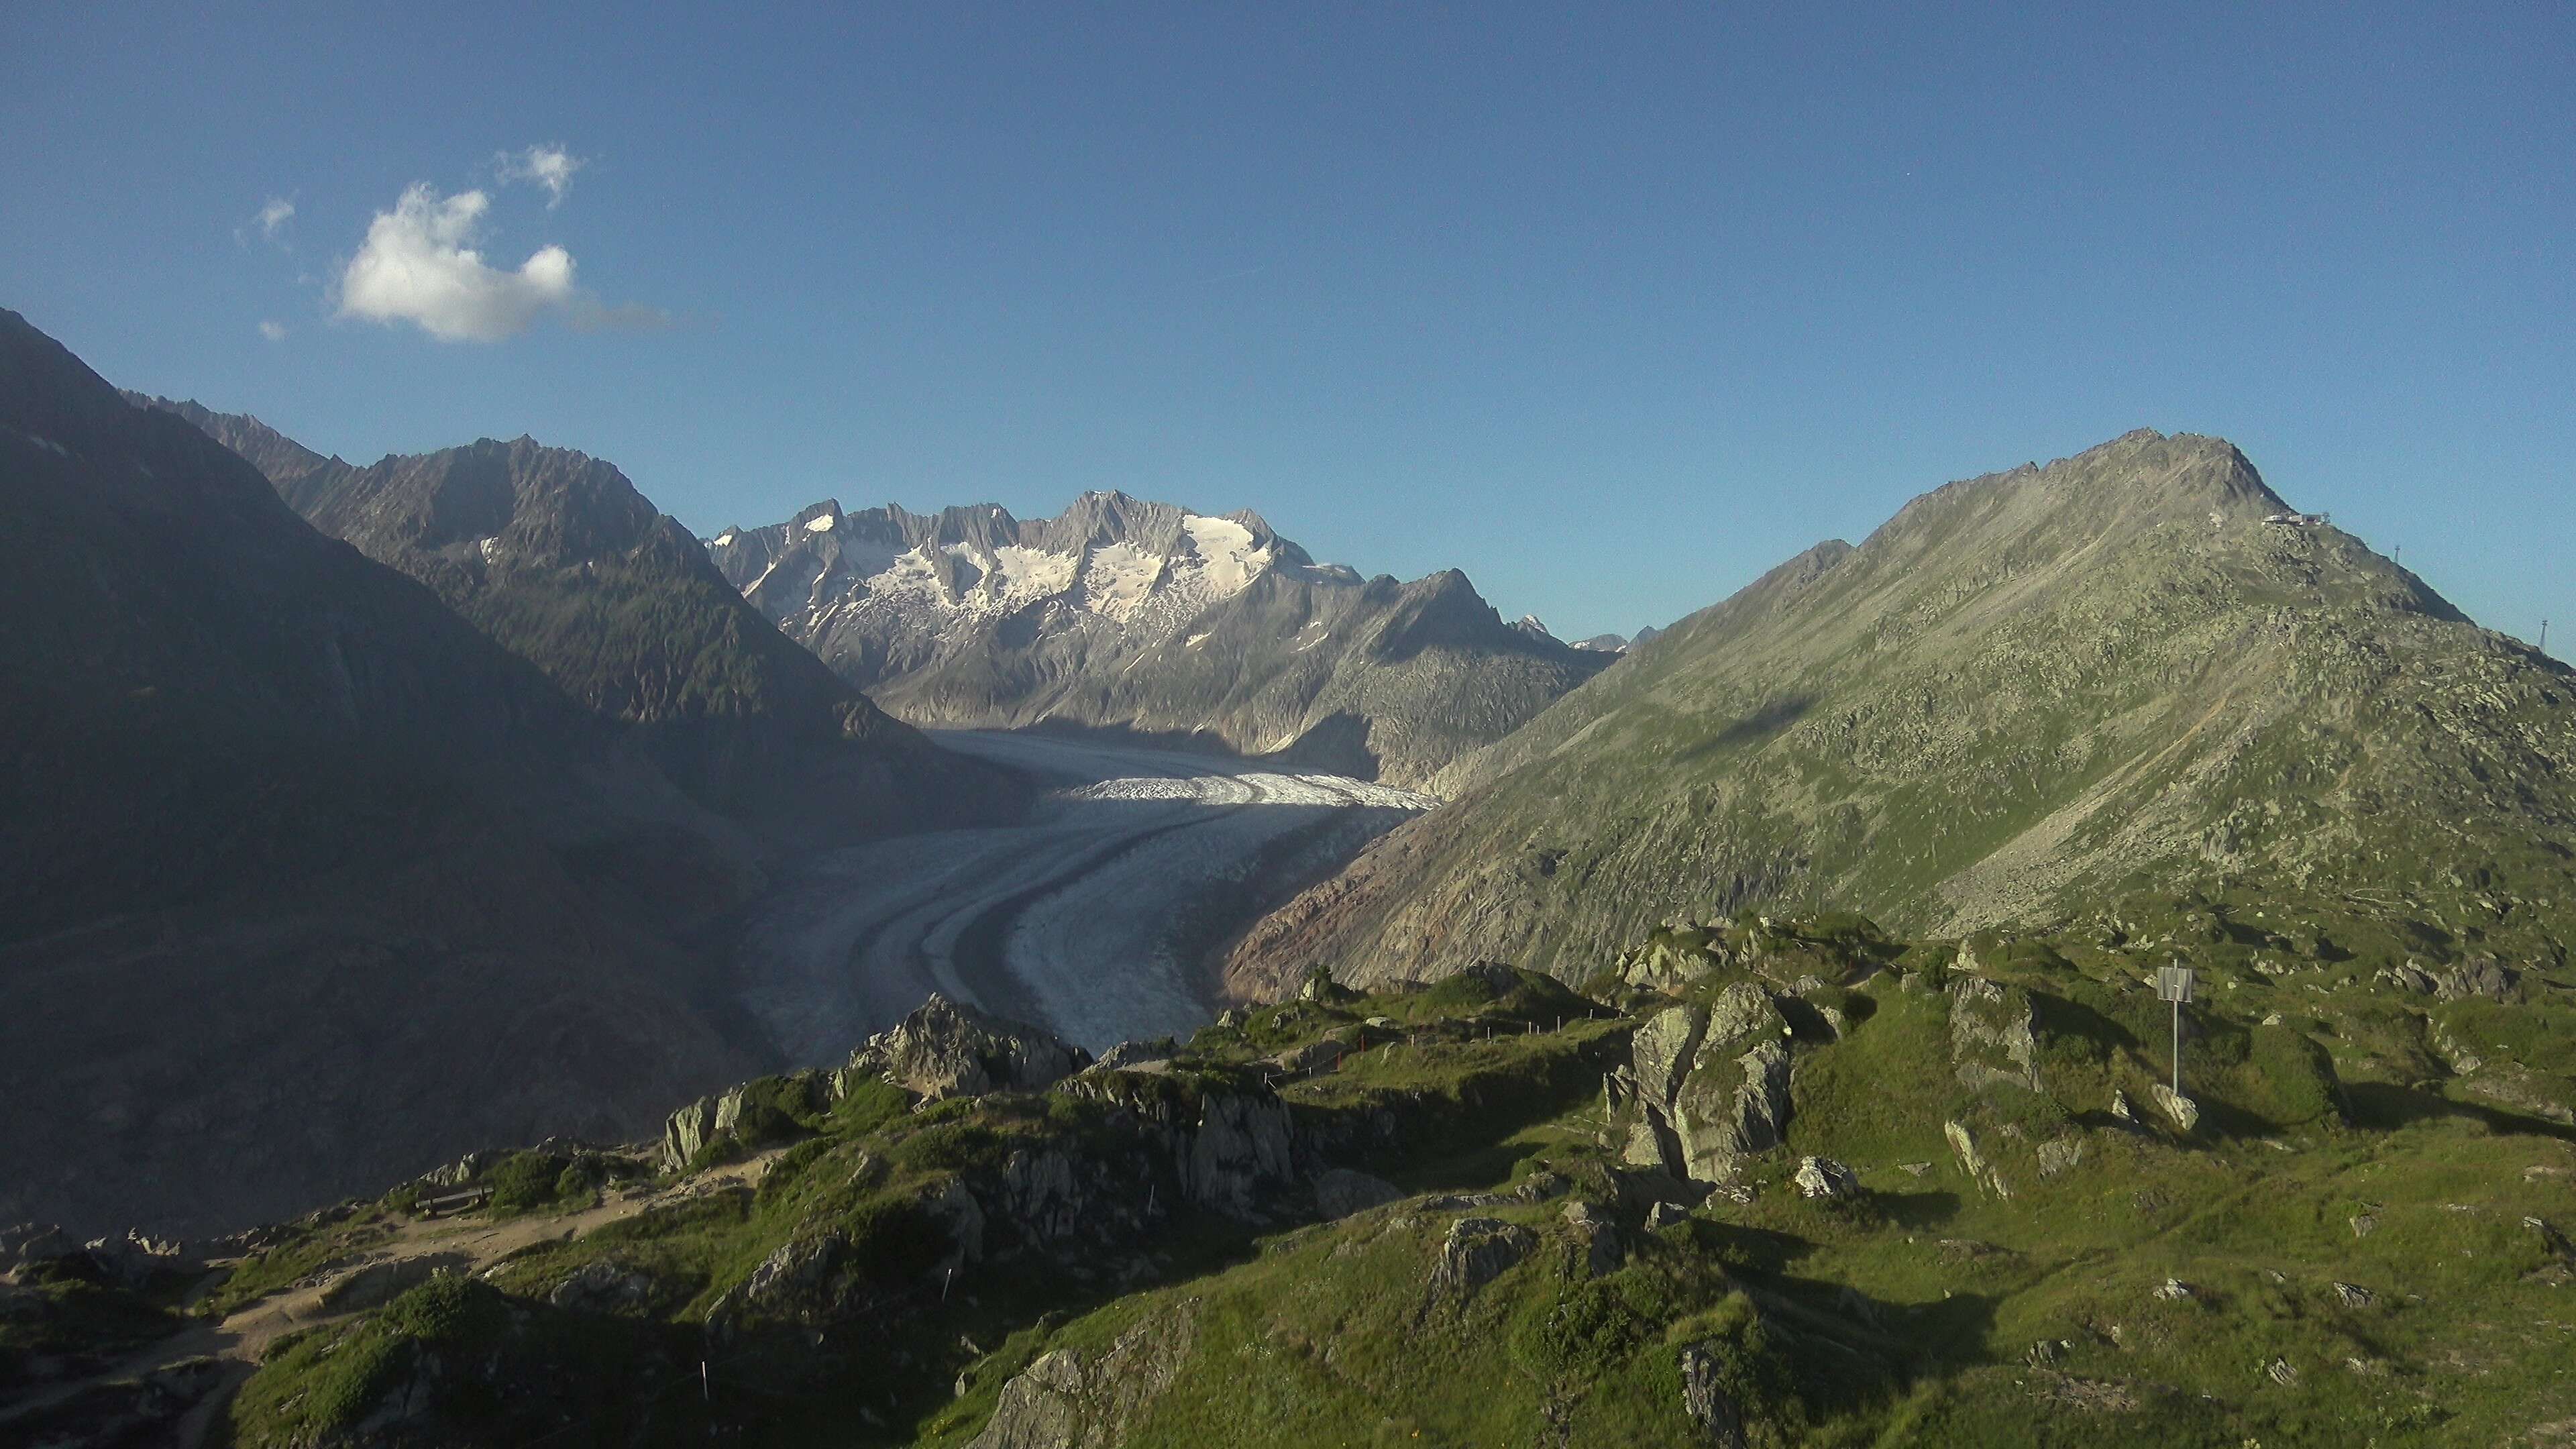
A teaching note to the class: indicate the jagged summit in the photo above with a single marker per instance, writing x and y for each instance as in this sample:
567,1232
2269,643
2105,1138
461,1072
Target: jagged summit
1134,614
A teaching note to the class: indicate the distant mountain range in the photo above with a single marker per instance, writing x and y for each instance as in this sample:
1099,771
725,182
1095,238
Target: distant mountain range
556,556
1146,618
2030,691
1617,644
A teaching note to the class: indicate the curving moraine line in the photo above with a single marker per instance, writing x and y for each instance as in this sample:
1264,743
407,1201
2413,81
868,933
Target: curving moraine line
1087,918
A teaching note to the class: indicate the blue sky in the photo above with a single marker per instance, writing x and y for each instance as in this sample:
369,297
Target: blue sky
1613,309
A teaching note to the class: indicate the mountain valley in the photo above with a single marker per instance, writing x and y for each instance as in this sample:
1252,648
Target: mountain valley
1557,1087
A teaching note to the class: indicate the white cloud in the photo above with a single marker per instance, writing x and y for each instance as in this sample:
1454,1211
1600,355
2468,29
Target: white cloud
548,166
269,223
418,265
273,331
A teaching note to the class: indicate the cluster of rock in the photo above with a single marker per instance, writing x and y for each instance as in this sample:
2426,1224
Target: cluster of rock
943,1049
1161,1144
132,1261
1993,1033
2480,977
1710,1085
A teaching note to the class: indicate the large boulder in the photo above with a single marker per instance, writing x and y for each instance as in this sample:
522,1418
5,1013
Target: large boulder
1712,1080
1993,1033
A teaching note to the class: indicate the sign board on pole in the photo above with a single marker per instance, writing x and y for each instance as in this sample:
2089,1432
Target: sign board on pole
2173,983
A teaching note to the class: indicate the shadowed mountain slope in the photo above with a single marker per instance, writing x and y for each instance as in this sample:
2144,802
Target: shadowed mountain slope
302,880
2108,673
1143,617
555,555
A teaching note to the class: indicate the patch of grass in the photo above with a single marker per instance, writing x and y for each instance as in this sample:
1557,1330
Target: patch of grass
308,1253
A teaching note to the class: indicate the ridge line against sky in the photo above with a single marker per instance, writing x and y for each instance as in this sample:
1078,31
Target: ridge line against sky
1611,311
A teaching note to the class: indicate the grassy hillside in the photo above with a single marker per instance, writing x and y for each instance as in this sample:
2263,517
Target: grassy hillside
2026,690
1421,1216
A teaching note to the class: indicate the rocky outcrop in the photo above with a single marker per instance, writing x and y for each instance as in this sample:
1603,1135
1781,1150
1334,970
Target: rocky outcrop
605,1286
1712,1085
1993,1033
943,1049
1675,959
1822,1177
1599,1248
948,1049
737,1112
1069,1399
1972,1161
27,1244
1704,1398
1476,1252
1340,1192
2182,1111
2480,977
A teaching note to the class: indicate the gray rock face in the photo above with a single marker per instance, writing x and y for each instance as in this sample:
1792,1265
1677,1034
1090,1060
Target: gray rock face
28,1244
1598,1248
2480,976
1068,1399
801,1282
605,1286
686,1132
1130,1056
1822,1177
1242,1145
1673,966
136,1259
1341,1192
1476,1252
2181,1110
1992,1033
2060,1154
948,1049
1713,1083
1972,1161
1704,1398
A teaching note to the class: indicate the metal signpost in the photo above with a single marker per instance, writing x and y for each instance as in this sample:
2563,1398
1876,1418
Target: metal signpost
2173,983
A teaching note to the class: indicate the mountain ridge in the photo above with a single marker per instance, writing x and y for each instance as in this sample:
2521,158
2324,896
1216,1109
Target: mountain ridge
2115,671
1096,618
291,850
556,555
